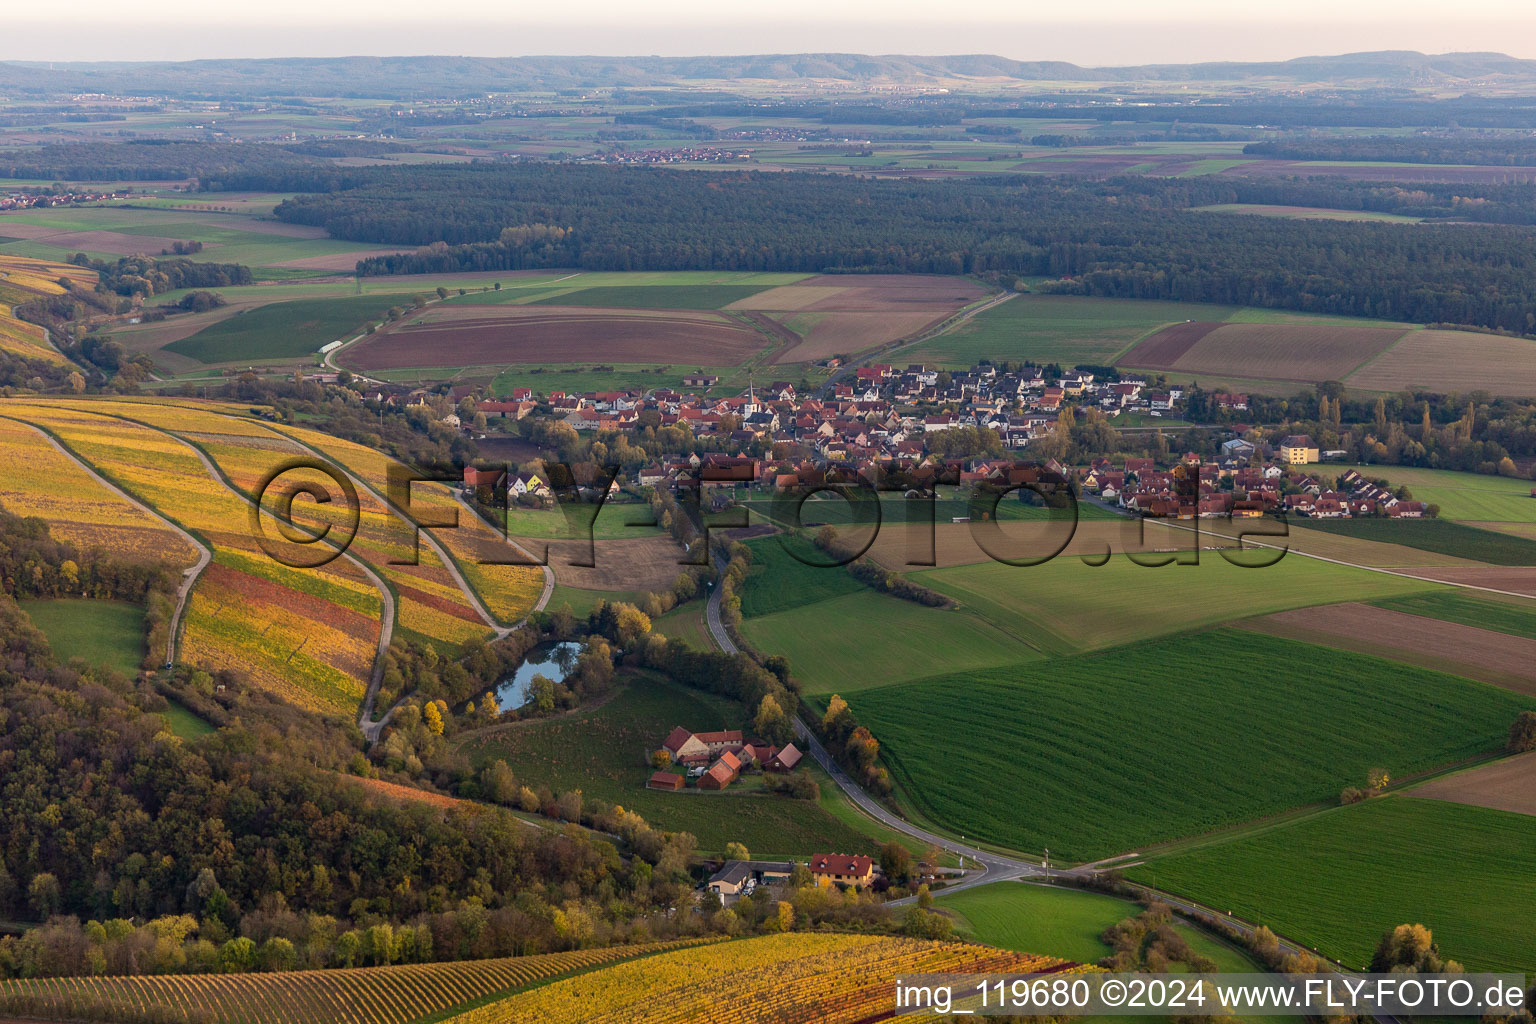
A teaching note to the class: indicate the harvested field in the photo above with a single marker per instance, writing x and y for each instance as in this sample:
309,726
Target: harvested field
1497,658
830,334
115,243
1508,785
867,293
479,335
1453,361
640,564
1302,537
1299,352
1514,579
1170,344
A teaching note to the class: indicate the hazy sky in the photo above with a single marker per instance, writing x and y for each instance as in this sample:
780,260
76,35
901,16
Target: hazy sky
1083,31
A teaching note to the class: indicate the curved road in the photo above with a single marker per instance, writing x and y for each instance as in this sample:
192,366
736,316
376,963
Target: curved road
189,576
994,867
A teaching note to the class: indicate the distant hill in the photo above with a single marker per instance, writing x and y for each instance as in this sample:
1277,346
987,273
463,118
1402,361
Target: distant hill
446,76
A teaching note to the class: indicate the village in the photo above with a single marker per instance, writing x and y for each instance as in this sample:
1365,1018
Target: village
883,430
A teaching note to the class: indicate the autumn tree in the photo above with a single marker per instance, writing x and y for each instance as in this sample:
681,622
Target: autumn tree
737,851
1522,734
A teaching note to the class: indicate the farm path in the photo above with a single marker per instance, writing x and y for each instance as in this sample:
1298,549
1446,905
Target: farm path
189,576
437,548
386,596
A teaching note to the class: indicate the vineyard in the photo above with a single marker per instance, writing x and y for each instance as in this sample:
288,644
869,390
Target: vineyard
41,481
363,995
21,280
308,635
784,979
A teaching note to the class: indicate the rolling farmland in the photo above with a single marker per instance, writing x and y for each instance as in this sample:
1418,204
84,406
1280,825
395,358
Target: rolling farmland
1338,880
376,995
1268,351
1228,735
21,280
1446,361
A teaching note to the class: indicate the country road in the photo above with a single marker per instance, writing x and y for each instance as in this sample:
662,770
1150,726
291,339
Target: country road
994,867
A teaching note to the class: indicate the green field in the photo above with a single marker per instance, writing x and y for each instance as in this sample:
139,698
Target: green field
680,296
282,330
184,723
869,639
1057,328
574,519
778,581
1442,536
1339,879
1101,754
686,623
1066,606
1062,922
1474,497
1517,618
604,752
109,633
581,601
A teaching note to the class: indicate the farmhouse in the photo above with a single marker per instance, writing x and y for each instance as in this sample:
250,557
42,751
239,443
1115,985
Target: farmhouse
842,869
736,875
785,760
685,746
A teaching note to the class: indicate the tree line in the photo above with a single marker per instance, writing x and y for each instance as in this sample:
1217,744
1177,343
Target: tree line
1123,237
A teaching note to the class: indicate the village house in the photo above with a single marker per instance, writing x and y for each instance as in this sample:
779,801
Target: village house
842,869
1298,450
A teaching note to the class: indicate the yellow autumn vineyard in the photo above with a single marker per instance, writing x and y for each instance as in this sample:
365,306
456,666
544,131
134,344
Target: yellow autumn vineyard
23,279
365,995
41,481
783,979
308,635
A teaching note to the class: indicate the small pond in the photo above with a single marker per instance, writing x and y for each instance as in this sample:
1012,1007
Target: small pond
547,660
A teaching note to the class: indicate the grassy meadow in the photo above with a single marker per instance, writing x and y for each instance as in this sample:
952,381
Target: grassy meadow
282,330
107,633
1065,606
1104,753
1339,879
604,751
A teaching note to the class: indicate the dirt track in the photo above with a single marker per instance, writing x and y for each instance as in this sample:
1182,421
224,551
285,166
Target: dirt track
1497,658
1508,785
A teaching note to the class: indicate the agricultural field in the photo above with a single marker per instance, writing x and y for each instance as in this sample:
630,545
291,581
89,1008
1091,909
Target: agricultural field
501,335
1339,879
272,248
399,994
107,633
1065,606
281,330
1451,361
1307,213
1282,352
832,979
1231,732
1442,536
1064,329
1503,615
1503,785
1486,655
604,750
779,581
868,639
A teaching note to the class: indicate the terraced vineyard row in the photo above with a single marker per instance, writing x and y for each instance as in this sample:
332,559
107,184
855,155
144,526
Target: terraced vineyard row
365,995
783,979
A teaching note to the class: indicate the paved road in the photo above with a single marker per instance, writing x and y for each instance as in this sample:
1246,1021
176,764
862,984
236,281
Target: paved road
189,576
